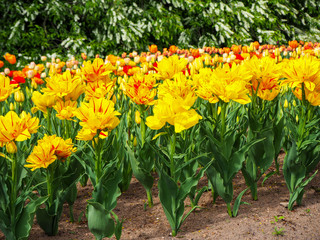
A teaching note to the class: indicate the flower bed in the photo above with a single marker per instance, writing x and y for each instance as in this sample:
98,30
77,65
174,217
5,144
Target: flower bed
178,114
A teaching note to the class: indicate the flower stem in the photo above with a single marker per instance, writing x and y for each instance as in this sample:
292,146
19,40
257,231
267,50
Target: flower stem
98,164
223,120
142,125
174,233
49,120
49,185
229,210
71,213
172,151
13,190
67,123
303,94
149,196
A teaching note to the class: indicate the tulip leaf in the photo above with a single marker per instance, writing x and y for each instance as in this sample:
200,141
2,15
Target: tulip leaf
172,195
143,175
48,222
25,222
237,203
100,221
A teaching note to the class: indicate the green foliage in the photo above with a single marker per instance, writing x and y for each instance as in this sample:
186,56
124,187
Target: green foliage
35,27
278,232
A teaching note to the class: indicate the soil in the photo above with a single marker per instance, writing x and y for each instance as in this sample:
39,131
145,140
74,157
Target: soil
258,220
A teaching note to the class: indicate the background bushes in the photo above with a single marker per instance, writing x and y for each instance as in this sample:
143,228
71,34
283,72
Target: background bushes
35,27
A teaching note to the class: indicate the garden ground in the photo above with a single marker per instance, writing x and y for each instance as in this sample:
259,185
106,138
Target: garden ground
266,218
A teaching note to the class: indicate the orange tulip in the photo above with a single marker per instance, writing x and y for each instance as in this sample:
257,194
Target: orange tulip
1,64
173,49
153,48
256,45
236,49
10,58
84,56
293,44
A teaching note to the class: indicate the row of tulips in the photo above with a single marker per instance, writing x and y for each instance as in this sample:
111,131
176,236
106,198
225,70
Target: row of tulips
181,113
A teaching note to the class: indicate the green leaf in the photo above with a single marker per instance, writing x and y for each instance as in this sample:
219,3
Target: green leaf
100,222
49,223
297,194
237,202
25,222
168,194
5,225
143,175
118,226
293,170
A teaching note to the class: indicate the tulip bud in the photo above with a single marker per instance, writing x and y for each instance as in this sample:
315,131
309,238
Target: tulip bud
299,51
19,96
11,107
277,52
190,59
6,71
207,60
84,56
145,68
294,103
137,59
69,64
126,61
43,75
114,99
317,52
129,122
137,117
11,147
148,58
251,48
43,58
135,141
28,92
32,65
297,118
30,74
285,105
160,58
119,96
34,85
219,110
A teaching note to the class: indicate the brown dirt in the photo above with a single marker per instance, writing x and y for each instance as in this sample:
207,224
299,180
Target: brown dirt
255,221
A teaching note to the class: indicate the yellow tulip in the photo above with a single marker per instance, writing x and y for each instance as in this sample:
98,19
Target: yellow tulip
97,114
96,71
168,67
64,86
65,109
6,88
42,101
